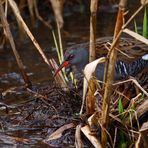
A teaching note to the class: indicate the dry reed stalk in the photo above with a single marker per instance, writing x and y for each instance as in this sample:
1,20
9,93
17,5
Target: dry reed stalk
144,2
10,37
110,51
57,6
123,27
15,9
115,41
90,98
21,31
31,11
93,19
109,73
6,8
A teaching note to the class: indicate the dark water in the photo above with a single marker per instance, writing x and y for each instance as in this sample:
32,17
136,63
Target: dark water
77,26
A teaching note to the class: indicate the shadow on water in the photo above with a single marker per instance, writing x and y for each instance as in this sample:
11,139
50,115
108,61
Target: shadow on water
34,124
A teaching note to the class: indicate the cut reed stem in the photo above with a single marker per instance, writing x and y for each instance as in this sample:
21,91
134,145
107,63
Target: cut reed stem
93,19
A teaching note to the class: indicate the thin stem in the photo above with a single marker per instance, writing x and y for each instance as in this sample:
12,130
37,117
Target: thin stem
10,37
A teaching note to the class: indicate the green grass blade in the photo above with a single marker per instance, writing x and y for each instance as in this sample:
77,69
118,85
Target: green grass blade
61,50
145,24
57,47
135,25
120,106
122,143
60,42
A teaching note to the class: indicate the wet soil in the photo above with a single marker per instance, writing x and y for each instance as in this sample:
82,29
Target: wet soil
30,121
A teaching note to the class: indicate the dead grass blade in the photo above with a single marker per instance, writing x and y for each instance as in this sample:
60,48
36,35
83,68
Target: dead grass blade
141,110
115,137
90,98
88,72
57,6
78,141
135,82
86,131
119,51
142,139
58,133
136,35
13,139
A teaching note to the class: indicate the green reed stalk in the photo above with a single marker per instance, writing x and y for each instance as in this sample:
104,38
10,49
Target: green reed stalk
60,43
135,25
120,106
144,33
57,47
